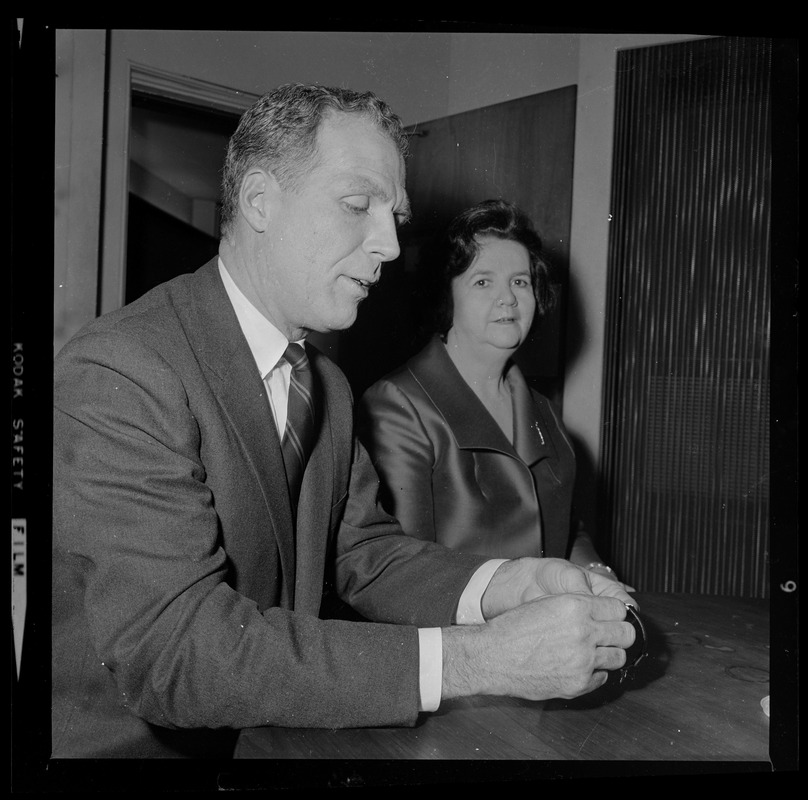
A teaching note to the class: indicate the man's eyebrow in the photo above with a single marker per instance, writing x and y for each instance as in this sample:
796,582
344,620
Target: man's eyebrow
368,186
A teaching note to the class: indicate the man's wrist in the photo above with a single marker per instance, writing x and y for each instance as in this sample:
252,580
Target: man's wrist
461,661
508,587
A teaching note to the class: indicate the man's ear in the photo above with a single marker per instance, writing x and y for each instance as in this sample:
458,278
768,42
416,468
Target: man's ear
254,198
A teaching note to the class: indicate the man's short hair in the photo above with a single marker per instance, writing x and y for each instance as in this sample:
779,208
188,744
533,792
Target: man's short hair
278,132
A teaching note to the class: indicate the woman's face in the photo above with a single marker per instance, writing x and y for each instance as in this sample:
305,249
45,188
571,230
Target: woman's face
493,299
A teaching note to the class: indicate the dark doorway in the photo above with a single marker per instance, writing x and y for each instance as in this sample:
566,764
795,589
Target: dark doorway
177,152
160,247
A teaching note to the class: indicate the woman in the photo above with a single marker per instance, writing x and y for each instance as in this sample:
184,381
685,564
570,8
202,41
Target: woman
468,454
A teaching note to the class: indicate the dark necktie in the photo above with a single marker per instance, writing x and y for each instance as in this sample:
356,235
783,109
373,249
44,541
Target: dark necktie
298,437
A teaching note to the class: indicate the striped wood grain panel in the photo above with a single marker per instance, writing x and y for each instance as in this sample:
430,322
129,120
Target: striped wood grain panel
686,403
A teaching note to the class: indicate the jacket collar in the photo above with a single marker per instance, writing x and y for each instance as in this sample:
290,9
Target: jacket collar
470,422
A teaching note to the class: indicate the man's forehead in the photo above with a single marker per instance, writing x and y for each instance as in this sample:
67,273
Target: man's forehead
356,136
353,149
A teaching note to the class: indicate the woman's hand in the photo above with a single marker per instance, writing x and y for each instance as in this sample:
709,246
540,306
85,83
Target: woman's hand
524,579
607,583
603,571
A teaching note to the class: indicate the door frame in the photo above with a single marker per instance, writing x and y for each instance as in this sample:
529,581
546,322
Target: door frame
125,78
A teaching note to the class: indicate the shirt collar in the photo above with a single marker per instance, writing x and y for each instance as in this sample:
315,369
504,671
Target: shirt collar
266,342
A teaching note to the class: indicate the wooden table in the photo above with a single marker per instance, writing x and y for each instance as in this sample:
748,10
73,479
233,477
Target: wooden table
696,697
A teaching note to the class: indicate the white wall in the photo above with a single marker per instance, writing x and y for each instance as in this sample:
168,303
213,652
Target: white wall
423,76
79,103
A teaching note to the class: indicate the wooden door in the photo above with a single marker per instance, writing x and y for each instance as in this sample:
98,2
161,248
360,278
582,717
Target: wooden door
520,150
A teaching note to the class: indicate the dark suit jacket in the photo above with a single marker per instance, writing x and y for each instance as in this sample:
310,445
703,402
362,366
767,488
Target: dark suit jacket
185,604
450,474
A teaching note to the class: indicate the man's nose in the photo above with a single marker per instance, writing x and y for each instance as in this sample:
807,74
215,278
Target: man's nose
383,239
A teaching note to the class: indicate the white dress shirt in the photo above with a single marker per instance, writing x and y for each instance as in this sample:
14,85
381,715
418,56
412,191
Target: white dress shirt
268,344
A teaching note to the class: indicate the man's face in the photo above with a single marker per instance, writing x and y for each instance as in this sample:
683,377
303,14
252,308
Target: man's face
328,235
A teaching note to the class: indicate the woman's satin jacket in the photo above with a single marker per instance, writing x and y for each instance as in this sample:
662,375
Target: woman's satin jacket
449,473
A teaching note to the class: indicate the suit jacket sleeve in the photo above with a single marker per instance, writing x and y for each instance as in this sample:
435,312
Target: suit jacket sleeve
387,575
145,588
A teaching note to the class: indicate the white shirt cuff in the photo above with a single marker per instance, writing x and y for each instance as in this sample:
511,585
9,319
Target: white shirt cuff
469,609
430,654
430,640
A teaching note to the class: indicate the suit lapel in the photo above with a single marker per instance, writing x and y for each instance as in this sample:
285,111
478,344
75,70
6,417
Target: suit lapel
314,511
221,346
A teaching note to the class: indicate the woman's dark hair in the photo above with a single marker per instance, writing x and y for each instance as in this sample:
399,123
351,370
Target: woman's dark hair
453,252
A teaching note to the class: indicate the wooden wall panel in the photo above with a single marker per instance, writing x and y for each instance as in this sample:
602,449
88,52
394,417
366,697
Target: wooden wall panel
520,150
686,448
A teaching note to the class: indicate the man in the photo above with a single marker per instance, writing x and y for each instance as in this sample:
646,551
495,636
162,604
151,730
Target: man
187,581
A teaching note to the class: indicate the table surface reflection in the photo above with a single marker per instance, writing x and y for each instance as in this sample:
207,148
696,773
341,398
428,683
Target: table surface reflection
697,696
